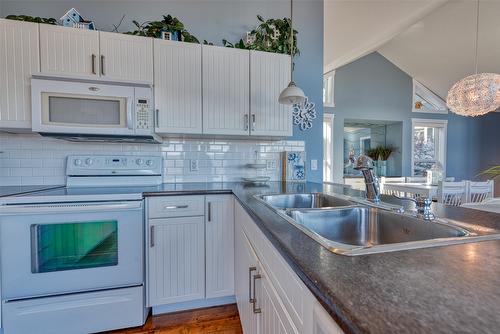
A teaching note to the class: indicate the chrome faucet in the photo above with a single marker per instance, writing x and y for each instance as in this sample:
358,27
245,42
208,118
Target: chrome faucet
365,165
423,206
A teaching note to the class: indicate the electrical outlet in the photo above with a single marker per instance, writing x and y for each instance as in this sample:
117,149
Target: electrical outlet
314,164
193,165
271,164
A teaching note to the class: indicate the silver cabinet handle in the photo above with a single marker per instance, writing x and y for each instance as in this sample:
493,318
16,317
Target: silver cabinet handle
209,211
254,299
253,122
173,207
102,65
157,117
246,125
152,236
93,64
250,269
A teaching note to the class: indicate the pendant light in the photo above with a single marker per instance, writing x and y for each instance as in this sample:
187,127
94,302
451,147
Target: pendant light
476,94
292,94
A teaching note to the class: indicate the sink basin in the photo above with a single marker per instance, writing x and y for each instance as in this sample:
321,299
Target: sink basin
363,230
310,200
361,226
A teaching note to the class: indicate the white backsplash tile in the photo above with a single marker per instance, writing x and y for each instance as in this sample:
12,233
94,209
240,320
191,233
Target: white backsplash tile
28,159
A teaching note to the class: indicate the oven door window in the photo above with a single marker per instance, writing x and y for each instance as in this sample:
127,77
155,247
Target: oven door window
75,245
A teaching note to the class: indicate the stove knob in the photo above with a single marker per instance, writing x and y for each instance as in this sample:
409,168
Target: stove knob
77,162
89,161
149,162
139,161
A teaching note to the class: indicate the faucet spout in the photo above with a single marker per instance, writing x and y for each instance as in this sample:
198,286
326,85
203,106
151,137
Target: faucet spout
365,165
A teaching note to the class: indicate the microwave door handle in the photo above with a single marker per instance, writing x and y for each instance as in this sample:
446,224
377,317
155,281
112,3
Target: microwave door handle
130,126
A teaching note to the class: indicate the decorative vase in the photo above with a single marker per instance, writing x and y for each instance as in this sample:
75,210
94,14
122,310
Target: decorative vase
382,167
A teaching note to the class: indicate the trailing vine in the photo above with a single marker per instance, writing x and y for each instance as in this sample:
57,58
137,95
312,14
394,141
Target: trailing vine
33,19
155,28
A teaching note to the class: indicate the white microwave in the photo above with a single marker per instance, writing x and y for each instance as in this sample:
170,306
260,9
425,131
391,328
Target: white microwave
92,111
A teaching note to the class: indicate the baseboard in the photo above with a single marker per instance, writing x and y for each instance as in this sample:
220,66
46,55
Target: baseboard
191,305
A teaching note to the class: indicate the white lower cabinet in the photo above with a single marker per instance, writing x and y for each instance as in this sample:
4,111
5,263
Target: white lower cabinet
270,296
190,247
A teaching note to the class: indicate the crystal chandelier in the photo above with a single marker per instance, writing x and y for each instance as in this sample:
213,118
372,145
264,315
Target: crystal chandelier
476,94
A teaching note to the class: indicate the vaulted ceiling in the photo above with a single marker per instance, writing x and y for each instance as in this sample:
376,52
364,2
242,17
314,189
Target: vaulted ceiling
432,41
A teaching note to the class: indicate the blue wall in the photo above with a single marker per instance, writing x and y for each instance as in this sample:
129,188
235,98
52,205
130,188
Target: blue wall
373,88
214,20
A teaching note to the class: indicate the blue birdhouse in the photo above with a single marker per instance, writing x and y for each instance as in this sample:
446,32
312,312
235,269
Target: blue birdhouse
71,17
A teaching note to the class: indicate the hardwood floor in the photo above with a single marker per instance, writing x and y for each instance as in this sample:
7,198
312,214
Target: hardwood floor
220,319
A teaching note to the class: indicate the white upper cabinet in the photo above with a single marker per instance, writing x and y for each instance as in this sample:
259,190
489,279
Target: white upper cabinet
226,91
219,231
125,57
19,60
67,51
177,84
269,75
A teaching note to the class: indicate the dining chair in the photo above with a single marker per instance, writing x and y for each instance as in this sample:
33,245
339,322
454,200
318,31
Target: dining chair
416,179
452,193
385,179
479,191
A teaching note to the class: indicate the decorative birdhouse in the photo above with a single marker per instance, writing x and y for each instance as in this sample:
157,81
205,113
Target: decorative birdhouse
71,17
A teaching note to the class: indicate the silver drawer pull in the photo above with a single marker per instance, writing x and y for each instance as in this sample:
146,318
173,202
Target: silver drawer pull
173,207
152,236
255,309
250,298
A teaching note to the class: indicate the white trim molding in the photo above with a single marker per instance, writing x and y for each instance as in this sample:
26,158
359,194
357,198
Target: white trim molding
329,89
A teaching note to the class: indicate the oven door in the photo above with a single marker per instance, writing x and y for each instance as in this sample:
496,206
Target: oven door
82,108
60,248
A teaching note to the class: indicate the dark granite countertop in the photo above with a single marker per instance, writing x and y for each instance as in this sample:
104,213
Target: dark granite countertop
6,191
450,289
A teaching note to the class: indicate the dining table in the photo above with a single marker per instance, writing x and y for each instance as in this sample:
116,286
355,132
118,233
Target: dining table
410,189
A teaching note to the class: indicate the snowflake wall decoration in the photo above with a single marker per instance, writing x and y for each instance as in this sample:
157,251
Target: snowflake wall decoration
303,114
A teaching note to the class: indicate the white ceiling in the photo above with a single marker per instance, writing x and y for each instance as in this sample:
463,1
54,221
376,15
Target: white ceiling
439,49
355,28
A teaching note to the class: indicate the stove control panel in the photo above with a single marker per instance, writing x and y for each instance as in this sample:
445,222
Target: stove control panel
103,165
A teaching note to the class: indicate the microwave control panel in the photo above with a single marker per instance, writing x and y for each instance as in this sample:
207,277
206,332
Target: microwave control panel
143,113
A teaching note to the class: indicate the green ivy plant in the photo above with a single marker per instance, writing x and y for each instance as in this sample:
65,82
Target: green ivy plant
36,19
154,29
265,39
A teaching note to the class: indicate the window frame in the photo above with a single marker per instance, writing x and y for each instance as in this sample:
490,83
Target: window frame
430,97
329,89
431,123
330,118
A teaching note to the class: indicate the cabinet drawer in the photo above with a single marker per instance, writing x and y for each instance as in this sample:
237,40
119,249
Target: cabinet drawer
176,206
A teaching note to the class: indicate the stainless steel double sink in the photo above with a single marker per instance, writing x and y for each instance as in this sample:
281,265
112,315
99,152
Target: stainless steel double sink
349,226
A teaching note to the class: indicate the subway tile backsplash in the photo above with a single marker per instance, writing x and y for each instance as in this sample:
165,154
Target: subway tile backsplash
28,159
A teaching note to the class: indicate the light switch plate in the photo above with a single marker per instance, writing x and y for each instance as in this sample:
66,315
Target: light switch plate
314,164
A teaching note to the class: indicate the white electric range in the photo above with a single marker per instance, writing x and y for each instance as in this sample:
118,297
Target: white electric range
72,258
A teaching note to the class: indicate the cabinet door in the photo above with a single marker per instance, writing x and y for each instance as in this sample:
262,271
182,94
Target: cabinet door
69,51
219,231
177,87
226,81
245,265
125,57
323,322
19,60
269,75
274,318
176,260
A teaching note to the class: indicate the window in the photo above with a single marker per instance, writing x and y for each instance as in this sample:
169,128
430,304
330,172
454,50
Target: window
328,147
329,89
425,101
428,145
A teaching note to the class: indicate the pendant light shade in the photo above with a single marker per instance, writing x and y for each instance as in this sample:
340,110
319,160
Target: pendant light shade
291,94
476,94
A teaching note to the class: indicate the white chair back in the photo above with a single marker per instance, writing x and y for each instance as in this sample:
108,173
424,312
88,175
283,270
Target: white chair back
416,179
479,191
452,193
384,180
